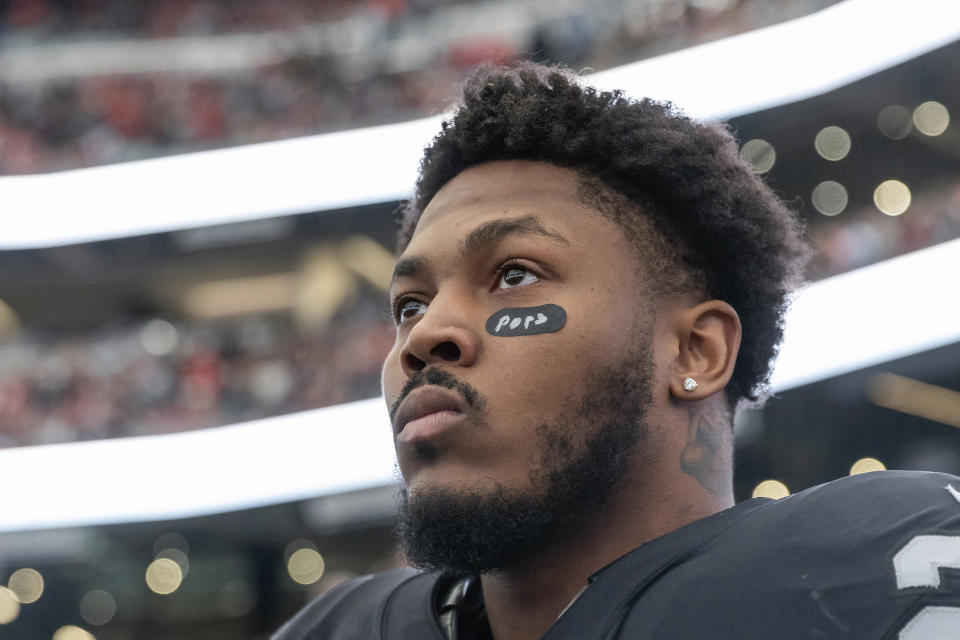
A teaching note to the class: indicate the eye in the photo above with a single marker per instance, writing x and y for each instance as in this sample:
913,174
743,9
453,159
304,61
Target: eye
514,275
407,309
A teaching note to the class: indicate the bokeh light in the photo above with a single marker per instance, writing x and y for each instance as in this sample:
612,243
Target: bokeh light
759,154
866,465
9,606
98,607
159,338
829,198
170,540
832,143
931,118
177,556
71,632
305,566
26,585
164,576
771,489
892,197
895,122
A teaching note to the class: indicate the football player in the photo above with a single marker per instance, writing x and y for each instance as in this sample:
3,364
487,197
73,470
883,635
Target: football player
587,285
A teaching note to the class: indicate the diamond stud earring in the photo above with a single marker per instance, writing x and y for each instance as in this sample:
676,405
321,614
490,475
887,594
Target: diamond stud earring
689,383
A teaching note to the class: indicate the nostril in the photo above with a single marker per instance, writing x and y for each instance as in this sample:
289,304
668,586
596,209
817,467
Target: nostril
415,363
446,350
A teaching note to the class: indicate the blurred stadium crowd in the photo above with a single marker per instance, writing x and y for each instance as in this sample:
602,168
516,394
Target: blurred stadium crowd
93,82
157,377
45,18
859,238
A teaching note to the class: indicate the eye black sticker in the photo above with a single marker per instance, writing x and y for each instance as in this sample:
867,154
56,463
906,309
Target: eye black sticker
528,321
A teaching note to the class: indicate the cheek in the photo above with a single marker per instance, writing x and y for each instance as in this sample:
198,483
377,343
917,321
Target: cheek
392,377
556,369
537,374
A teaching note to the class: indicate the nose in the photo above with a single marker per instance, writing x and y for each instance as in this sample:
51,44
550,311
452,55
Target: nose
442,336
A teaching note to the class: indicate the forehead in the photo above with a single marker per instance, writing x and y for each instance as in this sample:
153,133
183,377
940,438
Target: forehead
510,189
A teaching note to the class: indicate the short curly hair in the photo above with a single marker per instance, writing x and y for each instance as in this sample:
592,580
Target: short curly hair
640,162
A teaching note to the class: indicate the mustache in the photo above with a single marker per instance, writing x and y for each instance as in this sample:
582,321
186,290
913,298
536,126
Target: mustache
474,399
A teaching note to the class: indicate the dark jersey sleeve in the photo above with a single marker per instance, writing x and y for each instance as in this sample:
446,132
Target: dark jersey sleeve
871,557
393,605
883,553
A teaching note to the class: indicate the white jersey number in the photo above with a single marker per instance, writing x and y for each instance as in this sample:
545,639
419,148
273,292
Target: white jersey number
918,564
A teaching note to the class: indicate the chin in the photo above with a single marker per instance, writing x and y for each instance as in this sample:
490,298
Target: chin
472,524
453,479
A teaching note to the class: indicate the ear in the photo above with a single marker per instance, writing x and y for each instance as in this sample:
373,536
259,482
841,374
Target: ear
708,339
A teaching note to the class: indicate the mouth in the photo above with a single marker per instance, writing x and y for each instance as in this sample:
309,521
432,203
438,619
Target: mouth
426,412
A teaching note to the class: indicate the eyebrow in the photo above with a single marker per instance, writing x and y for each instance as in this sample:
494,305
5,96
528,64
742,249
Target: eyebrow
409,267
490,233
487,235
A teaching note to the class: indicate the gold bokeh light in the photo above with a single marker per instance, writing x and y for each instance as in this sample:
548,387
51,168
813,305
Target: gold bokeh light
27,585
164,576
892,197
931,118
305,566
895,122
9,606
177,556
72,632
866,465
98,607
832,143
829,198
771,489
759,154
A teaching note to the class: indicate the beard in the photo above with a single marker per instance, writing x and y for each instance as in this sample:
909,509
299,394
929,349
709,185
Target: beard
470,531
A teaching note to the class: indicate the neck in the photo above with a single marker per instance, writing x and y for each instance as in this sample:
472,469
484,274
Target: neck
524,601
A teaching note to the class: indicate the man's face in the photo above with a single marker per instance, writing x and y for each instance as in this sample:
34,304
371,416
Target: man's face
483,414
564,253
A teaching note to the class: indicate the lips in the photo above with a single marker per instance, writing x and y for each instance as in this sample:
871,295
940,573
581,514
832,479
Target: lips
427,411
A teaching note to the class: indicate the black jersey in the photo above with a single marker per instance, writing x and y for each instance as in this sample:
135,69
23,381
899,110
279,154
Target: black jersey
872,556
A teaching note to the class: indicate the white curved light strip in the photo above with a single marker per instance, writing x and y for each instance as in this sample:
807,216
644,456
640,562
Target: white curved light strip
792,60
841,324
193,190
741,74
291,457
871,315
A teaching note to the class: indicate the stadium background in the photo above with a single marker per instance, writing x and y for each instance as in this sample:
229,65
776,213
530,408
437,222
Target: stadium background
188,448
